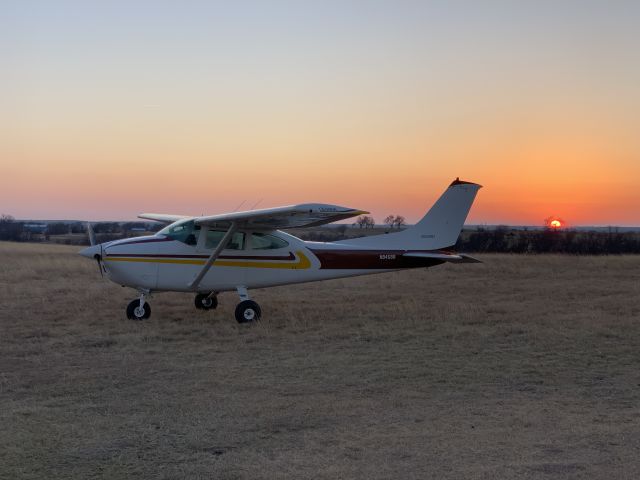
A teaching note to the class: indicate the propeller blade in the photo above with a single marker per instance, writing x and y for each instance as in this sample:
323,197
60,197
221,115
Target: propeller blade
92,235
99,265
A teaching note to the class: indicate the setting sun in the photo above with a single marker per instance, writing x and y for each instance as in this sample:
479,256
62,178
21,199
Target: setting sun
555,224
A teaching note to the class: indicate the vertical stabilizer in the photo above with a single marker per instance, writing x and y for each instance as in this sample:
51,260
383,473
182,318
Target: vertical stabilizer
439,228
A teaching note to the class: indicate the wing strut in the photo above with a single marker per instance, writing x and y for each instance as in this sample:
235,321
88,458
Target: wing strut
212,258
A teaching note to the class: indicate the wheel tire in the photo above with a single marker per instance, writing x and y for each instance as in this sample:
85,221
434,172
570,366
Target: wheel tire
204,302
135,313
248,311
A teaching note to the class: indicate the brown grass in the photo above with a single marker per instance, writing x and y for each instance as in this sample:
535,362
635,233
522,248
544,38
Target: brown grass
523,367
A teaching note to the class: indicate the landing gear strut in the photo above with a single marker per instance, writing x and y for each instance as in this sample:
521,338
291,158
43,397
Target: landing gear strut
206,301
247,310
139,309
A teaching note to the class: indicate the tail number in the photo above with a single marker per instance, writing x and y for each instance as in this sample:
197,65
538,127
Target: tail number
387,256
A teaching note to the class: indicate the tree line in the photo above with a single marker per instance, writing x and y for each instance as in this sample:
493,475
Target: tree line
547,240
19,231
392,221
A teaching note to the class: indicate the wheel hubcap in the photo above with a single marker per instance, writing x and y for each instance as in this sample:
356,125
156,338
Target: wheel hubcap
139,312
249,314
207,302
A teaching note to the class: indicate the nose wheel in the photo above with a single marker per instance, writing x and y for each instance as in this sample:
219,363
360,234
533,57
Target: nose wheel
138,309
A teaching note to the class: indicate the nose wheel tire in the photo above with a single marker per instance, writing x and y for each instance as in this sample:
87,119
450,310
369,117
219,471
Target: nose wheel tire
136,312
248,311
205,302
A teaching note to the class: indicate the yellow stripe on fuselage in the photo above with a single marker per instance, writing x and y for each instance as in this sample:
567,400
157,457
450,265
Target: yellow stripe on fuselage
302,263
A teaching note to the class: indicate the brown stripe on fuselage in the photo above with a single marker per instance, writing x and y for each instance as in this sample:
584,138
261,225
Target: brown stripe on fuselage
371,260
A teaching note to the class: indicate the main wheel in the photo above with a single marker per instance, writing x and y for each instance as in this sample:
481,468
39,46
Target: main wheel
204,302
248,311
135,312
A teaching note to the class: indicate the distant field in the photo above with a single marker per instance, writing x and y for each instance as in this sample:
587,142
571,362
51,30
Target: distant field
521,367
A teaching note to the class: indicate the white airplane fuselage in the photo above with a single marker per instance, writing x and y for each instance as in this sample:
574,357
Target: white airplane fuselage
159,263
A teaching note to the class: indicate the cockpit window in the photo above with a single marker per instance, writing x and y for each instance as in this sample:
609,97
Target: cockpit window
264,241
214,237
185,231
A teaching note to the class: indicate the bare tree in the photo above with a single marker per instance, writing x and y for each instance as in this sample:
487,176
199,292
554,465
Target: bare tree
399,221
370,223
390,220
365,221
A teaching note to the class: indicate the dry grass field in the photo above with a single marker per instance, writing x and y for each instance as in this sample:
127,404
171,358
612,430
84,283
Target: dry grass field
522,367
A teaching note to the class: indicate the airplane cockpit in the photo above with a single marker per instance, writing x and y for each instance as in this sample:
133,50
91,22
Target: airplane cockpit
186,231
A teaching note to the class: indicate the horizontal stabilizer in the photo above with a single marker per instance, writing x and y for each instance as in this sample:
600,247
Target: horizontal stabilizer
447,257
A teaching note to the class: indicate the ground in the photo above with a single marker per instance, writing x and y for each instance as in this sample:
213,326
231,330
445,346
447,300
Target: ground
521,367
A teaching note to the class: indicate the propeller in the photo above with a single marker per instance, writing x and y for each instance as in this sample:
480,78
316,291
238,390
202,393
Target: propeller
92,235
99,260
97,256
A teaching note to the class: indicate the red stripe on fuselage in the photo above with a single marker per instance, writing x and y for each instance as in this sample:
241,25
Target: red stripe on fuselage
372,259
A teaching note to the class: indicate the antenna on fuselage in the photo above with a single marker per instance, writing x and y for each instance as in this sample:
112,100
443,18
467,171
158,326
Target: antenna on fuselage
243,202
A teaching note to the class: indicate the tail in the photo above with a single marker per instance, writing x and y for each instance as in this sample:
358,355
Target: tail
438,229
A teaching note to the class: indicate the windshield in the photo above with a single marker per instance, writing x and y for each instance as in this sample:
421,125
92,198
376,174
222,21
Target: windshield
185,231
263,241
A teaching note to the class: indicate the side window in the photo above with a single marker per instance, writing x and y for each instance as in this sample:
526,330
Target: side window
214,237
263,241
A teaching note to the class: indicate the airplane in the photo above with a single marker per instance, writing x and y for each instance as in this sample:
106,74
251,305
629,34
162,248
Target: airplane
240,251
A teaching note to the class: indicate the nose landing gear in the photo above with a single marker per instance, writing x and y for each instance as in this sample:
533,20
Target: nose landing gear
139,309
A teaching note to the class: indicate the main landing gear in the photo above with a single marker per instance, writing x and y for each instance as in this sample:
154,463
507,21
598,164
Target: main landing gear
206,301
246,311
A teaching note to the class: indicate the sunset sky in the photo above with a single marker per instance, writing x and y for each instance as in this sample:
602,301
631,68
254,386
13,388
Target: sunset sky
109,109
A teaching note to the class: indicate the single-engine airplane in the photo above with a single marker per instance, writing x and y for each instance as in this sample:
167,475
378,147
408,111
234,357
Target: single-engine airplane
244,250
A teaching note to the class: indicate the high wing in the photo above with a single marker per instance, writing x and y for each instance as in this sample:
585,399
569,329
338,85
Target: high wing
162,217
292,216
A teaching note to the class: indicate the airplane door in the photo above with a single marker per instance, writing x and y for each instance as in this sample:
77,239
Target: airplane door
227,272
